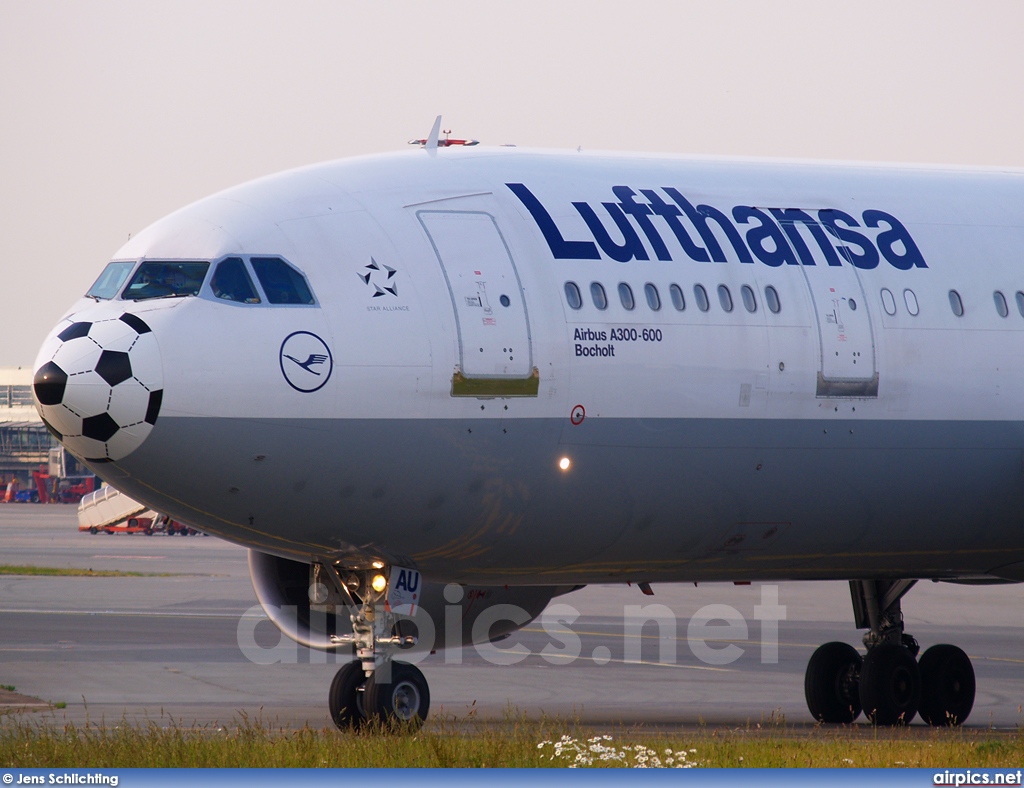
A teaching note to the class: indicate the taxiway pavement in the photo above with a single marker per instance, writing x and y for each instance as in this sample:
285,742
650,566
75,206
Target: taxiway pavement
166,649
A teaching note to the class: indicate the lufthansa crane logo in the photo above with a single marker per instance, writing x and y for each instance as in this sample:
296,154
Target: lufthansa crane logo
306,361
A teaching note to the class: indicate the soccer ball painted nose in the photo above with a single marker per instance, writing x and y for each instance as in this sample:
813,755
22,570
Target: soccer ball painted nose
98,386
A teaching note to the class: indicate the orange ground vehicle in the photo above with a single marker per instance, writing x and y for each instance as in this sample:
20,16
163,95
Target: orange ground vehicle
133,525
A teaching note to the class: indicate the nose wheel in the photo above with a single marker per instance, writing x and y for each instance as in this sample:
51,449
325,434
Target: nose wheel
402,698
889,683
346,697
405,699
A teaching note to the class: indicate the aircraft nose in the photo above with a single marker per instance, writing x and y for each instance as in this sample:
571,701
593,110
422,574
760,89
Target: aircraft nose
98,385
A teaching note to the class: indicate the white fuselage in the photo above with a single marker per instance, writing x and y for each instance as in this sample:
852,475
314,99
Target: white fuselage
825,413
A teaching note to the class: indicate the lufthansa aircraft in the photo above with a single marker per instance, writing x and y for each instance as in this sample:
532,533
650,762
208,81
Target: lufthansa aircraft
432,390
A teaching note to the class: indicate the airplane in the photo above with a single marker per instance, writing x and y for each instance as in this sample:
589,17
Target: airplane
530,370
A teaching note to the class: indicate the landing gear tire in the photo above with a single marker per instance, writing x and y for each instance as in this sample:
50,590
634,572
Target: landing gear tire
405,700
947,685
345,699
831,683
890,685
94,530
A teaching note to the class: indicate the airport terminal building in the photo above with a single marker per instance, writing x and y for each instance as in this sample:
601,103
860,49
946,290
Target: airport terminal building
26,445
25,442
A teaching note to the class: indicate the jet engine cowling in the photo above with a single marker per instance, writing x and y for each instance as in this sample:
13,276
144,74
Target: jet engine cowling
447,616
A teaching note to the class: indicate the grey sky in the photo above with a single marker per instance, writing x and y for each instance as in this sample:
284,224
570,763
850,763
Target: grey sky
113,114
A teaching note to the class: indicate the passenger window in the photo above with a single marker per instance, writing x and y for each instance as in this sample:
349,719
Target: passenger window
911,301
282,283
626,296
957,305
888,302
110,281
232,283
749,301
701,296
572,295
653,299
725,298
166,280
1001,306
676,293
597,295
771,297
1020,303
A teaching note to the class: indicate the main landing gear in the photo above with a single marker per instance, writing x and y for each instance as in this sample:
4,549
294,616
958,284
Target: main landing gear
373,687
889,683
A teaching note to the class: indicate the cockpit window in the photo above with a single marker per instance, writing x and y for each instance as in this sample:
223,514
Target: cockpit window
232,283
166,280
110,281
282,283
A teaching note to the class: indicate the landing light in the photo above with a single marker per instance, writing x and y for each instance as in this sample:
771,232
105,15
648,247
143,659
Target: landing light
379,583
564,463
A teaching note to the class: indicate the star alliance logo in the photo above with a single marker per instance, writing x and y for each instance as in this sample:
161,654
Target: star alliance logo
380,278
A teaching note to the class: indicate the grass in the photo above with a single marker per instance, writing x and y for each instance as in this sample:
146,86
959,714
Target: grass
54,571
8,687
512,743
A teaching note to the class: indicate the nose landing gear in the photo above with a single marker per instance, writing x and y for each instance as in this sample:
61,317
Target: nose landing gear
374,686
889,683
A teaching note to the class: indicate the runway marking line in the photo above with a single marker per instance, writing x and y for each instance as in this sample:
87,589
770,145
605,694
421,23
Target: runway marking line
136,613
546,657
748,641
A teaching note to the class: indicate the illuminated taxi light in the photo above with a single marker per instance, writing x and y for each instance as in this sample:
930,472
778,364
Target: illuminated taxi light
379,583
564,463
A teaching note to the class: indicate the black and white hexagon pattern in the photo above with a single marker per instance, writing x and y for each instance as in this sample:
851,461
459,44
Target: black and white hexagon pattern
99,385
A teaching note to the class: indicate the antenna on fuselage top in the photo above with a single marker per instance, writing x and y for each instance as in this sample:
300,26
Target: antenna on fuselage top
434,141
435,133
